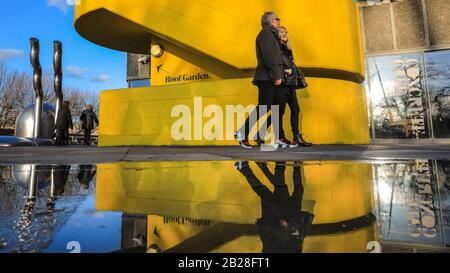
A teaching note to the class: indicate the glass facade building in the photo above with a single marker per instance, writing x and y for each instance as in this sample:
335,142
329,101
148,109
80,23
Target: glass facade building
407,55
409,95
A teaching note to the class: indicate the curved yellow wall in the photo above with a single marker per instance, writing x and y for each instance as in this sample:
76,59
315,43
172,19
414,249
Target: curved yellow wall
217,39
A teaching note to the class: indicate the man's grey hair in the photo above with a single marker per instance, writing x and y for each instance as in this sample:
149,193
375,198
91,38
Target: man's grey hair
267,18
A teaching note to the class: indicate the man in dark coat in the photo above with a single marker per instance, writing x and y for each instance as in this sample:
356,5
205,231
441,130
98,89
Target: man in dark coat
63,123
268,75
88,118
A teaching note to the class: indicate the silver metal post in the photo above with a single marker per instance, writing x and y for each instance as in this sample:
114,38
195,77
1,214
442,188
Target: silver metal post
33,183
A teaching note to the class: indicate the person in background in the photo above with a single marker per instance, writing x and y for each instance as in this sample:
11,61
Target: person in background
63,123
88,118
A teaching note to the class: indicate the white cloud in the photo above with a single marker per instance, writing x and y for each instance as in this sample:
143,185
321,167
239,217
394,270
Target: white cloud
6,54
62,5
104,78
76,71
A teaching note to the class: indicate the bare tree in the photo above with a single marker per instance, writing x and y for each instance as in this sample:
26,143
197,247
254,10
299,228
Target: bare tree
16,92
14,89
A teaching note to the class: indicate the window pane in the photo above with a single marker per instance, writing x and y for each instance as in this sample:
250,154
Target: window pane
399,101
139,83
438,74
367,90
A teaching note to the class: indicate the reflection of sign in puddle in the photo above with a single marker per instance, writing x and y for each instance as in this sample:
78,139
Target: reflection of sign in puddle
421,214
410,198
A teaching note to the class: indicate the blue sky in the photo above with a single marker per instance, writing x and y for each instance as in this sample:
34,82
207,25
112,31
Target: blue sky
86,65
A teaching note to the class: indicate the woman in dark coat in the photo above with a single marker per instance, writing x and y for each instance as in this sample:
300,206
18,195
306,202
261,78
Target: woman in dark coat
290,98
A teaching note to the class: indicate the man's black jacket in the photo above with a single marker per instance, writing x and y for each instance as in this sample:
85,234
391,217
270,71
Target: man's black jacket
288,61
268,53
64,120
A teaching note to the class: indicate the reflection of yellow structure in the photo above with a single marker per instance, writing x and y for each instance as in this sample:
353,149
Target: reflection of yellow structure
206,194
213,43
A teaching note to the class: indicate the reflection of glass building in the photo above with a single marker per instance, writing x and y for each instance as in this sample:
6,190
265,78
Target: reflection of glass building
408,69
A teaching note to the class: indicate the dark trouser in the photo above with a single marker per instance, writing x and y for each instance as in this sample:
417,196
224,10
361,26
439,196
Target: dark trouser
60,135
292,101
280,196
266,98
297,195
288,96
87,136
281,98
66,137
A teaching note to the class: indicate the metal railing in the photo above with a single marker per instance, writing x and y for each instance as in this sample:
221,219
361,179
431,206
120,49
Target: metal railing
78,139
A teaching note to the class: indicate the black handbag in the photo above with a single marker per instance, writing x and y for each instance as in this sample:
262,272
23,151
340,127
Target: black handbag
301,81
290,80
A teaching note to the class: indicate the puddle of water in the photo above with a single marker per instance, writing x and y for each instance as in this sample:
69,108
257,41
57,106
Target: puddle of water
226,207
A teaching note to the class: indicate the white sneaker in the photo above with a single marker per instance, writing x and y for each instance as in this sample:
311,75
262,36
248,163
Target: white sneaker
281,144
242,143
238,165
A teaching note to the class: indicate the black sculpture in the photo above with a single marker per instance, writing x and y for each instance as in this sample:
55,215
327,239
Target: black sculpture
37,84
57,67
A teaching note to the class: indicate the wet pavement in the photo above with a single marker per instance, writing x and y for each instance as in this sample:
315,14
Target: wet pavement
82,154
227,206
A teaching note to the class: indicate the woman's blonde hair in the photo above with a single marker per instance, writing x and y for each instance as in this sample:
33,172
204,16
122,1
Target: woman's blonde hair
280,28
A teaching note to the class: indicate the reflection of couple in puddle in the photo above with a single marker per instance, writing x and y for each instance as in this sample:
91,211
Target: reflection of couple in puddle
61,175
283,224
